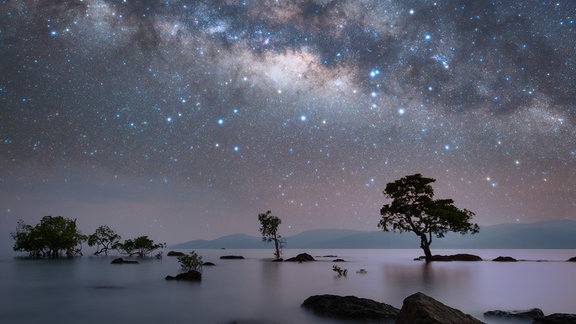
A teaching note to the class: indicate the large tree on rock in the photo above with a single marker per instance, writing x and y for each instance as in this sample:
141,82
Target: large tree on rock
413,209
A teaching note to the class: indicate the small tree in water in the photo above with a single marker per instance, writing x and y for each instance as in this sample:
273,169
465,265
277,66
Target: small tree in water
140,246
104,238
190,262
269,230
413,209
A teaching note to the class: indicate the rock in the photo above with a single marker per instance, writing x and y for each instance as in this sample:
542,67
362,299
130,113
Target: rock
350,308
522,315
419,308
176,254
572,259
191,275
339,260
209,264
122,261
505,259
302,257
456,257
278,260
557,318
232,257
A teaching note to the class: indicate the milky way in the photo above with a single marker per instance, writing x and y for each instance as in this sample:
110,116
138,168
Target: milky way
185,119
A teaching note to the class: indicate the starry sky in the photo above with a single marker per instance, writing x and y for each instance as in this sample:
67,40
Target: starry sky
185,119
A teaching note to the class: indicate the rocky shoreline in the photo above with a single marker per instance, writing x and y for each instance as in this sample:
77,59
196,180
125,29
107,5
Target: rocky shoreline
418,308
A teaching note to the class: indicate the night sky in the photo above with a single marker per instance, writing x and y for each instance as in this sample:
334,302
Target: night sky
185,119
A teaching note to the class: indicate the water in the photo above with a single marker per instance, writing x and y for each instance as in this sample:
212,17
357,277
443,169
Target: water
91,290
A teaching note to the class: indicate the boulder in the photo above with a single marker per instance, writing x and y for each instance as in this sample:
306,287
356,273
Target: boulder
505,259
419,308
520,315
302,257
176,254
350,308
557,318
232,257
122,261
191,275
572,259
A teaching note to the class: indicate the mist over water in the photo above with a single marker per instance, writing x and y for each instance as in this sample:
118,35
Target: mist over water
91,290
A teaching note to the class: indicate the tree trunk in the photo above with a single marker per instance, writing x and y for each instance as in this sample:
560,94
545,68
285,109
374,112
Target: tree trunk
277,253
425,245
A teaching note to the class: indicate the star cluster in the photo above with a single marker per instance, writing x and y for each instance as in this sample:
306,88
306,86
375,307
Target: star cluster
188,118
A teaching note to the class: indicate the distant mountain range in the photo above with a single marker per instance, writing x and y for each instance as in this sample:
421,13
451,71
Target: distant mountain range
558,234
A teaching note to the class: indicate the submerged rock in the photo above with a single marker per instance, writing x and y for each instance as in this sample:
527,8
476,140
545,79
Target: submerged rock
521,315
572,259
122,261
232,257
419,308
338,260
350,308
302,257
191,275
557,318
175,253
209,264
505,259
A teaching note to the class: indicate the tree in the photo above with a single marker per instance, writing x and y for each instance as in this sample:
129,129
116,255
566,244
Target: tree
413,209
140,246
269,230
189,262
51,237
104,238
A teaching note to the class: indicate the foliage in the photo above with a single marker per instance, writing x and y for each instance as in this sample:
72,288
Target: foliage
190,262
51,237
269,230
140,246
340,271
104,238
413,209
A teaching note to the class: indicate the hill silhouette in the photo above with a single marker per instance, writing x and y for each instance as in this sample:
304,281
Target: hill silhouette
557,234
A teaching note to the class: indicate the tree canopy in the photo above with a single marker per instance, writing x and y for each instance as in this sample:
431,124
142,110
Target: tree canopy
140,246
269,230
53,236
413,209
104,238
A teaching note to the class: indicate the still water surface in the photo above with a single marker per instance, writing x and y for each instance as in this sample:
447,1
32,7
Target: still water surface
91,290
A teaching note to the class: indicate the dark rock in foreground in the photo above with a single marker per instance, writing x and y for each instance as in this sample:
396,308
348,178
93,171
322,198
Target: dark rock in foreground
572,259
122,261
419,308
454,257
175,253
505,259
557,318
350,308
302,257
522,315
191,275
232,257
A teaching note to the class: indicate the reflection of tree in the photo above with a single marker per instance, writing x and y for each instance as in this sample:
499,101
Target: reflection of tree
429,277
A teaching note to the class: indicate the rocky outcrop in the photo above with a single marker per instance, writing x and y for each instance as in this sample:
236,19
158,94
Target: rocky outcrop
350,308
232,257
302,257
122,261
517,316
175,253
572,259
505,259
191,275
557,318
454,257
419,308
